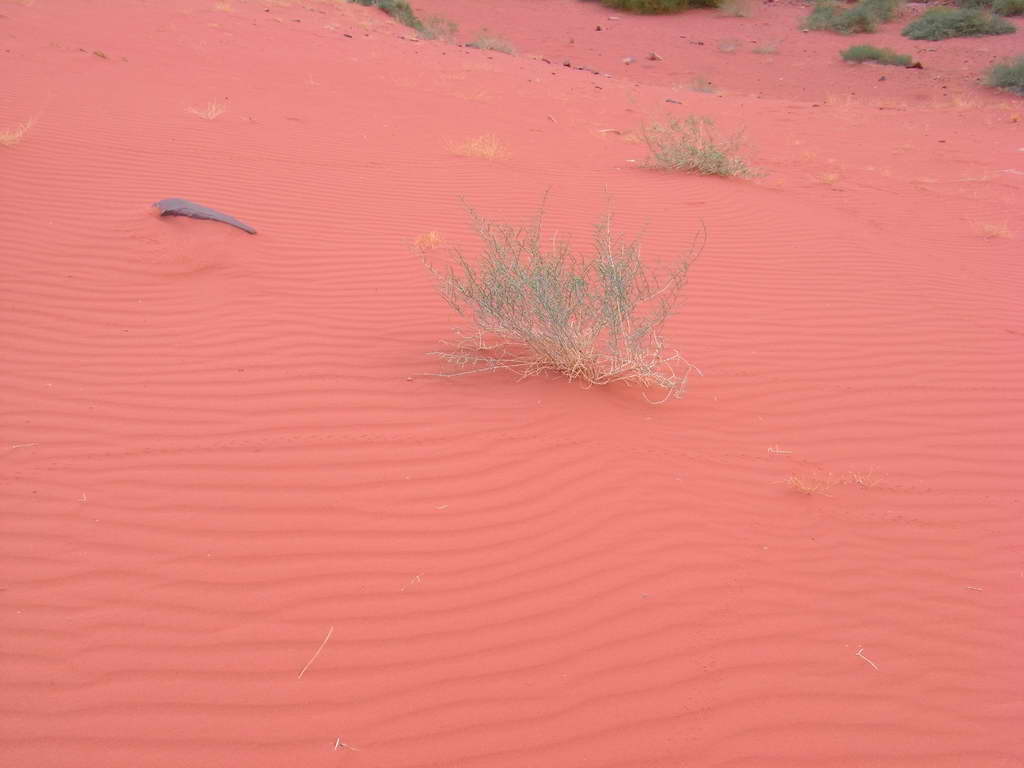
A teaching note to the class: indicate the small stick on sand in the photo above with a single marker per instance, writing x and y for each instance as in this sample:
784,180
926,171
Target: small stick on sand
339,744
415,580
23,445
310,662
869,661
976,589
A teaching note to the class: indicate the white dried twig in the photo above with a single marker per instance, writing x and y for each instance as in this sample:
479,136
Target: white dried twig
310,662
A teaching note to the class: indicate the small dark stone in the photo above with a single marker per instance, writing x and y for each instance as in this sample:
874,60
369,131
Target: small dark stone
673,101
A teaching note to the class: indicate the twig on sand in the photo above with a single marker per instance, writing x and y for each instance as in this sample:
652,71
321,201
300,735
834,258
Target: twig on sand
339,744
415,580
860,653
976,589
310,662
22,445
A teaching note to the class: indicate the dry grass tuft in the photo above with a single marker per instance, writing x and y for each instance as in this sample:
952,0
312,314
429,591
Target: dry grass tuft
702,85
211,111
993,231
487,146
768,47
861,479
541,309
820,483
428,241
11,136
692,146
814,484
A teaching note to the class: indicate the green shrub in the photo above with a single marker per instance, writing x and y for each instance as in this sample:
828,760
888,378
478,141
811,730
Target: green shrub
833,17
1002,7
397,9
691,146
1007,74
658,6
538,307
860,53
1008,7
883,10
944,23
865,16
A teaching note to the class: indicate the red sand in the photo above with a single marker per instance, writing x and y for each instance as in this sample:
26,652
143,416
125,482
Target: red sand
217,447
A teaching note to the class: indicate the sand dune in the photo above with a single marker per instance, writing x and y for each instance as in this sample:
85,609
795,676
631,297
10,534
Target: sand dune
220,450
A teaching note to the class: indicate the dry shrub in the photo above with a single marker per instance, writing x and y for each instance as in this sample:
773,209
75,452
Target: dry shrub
211,111
691,145
11,136
428,241
487,146
539,309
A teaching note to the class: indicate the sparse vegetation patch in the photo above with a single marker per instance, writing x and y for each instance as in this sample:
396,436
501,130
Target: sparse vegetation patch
397,9
439,28
488,42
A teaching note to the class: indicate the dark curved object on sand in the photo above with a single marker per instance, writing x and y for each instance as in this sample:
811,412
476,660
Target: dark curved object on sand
176,206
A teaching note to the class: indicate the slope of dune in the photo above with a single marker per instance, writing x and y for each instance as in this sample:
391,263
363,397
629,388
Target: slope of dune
242,524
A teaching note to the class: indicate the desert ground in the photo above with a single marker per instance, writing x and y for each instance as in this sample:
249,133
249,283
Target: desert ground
244,524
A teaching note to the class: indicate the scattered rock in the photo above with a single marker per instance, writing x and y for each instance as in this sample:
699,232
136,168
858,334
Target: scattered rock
915,65
654,57
673,101
628,60
597,28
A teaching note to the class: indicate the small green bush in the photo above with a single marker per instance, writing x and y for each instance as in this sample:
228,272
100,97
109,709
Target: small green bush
860,53
658,6
538,307
883,10
397,9
1002,7
691,146
1007,74
944,23
833,17
865,16
1008,7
